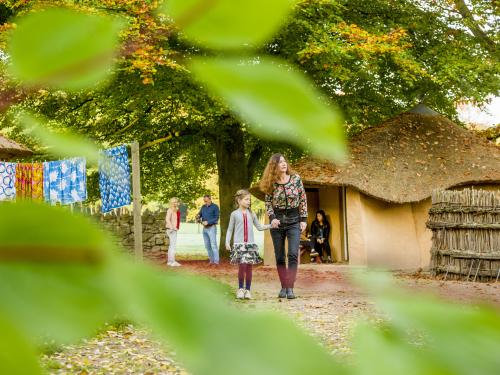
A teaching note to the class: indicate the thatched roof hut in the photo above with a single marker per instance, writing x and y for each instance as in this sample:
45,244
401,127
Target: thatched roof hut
10,149
380,198
407,157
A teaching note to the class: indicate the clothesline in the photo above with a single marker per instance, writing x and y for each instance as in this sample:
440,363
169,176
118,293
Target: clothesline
65,181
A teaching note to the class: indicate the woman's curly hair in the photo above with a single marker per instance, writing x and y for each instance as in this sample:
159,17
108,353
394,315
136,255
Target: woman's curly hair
272,173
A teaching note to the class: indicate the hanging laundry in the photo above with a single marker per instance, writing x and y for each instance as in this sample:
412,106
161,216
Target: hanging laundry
24,173
7,181
29,181
52,191
37,182
114,178
65,181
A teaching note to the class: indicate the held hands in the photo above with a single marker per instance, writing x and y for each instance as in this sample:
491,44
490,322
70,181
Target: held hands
303,226
275,223
204,223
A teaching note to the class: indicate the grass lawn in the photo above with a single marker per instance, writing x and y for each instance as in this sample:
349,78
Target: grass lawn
190,239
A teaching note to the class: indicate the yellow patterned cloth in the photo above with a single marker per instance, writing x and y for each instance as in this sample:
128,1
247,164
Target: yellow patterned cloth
23,180
37,182
29,181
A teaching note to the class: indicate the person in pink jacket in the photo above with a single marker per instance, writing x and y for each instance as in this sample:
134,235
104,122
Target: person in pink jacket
172,223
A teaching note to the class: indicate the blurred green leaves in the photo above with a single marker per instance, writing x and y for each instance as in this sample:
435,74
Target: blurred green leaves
68,296
228,24
60,276
211,337
58,144
278,101
52,274
427,336
63,48
71,50
62,280
17,355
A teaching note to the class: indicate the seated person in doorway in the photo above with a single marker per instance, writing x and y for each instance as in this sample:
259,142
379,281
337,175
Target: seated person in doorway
320,231
306,245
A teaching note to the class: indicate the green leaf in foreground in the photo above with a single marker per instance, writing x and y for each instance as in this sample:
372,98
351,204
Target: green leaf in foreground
61,282
228,23
59,279
279,102
383,350
59,144
434,336
63,48
17,355
53,279
211,336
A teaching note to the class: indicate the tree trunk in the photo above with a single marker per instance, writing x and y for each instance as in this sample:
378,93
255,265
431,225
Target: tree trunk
233,171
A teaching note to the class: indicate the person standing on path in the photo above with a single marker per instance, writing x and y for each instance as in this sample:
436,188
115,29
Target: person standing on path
286,206
172,222
209,217
245,252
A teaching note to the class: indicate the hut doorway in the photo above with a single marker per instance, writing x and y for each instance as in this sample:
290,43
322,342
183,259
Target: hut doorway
331,200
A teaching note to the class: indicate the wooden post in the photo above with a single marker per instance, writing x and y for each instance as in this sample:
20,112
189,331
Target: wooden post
136,194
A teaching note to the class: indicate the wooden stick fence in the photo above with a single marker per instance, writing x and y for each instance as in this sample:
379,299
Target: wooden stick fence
465,228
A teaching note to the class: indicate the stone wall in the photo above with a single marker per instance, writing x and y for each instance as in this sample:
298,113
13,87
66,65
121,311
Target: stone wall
121,225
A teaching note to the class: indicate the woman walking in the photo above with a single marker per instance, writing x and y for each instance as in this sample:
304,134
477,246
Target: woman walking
286,205
172,222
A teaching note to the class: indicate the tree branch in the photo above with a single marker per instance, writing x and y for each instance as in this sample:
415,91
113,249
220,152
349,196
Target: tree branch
157,141
168,137
122,130
132,123
82,104
483,38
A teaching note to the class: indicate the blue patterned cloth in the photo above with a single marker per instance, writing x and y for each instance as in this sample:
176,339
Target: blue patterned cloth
7,181
114,178
65,181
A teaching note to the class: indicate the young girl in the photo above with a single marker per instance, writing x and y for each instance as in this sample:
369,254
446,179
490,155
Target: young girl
245,252
172,222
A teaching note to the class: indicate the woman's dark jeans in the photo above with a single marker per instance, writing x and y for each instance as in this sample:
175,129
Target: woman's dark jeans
320,246
292,233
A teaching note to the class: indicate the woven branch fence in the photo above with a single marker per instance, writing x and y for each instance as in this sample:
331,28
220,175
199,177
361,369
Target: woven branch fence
465,228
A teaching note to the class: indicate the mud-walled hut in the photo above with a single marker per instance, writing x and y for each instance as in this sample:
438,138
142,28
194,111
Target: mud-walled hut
378,202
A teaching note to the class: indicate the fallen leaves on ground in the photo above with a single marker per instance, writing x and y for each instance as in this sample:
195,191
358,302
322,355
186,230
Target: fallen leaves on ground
328,307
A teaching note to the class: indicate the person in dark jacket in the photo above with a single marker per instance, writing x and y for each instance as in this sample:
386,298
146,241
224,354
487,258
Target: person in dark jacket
320,232
209,217
286,206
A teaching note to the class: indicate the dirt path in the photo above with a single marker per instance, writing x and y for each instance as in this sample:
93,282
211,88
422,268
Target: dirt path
328,307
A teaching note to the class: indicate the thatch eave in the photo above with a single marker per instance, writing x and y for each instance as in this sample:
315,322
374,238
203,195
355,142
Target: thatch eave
257,193
404,159
10,149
